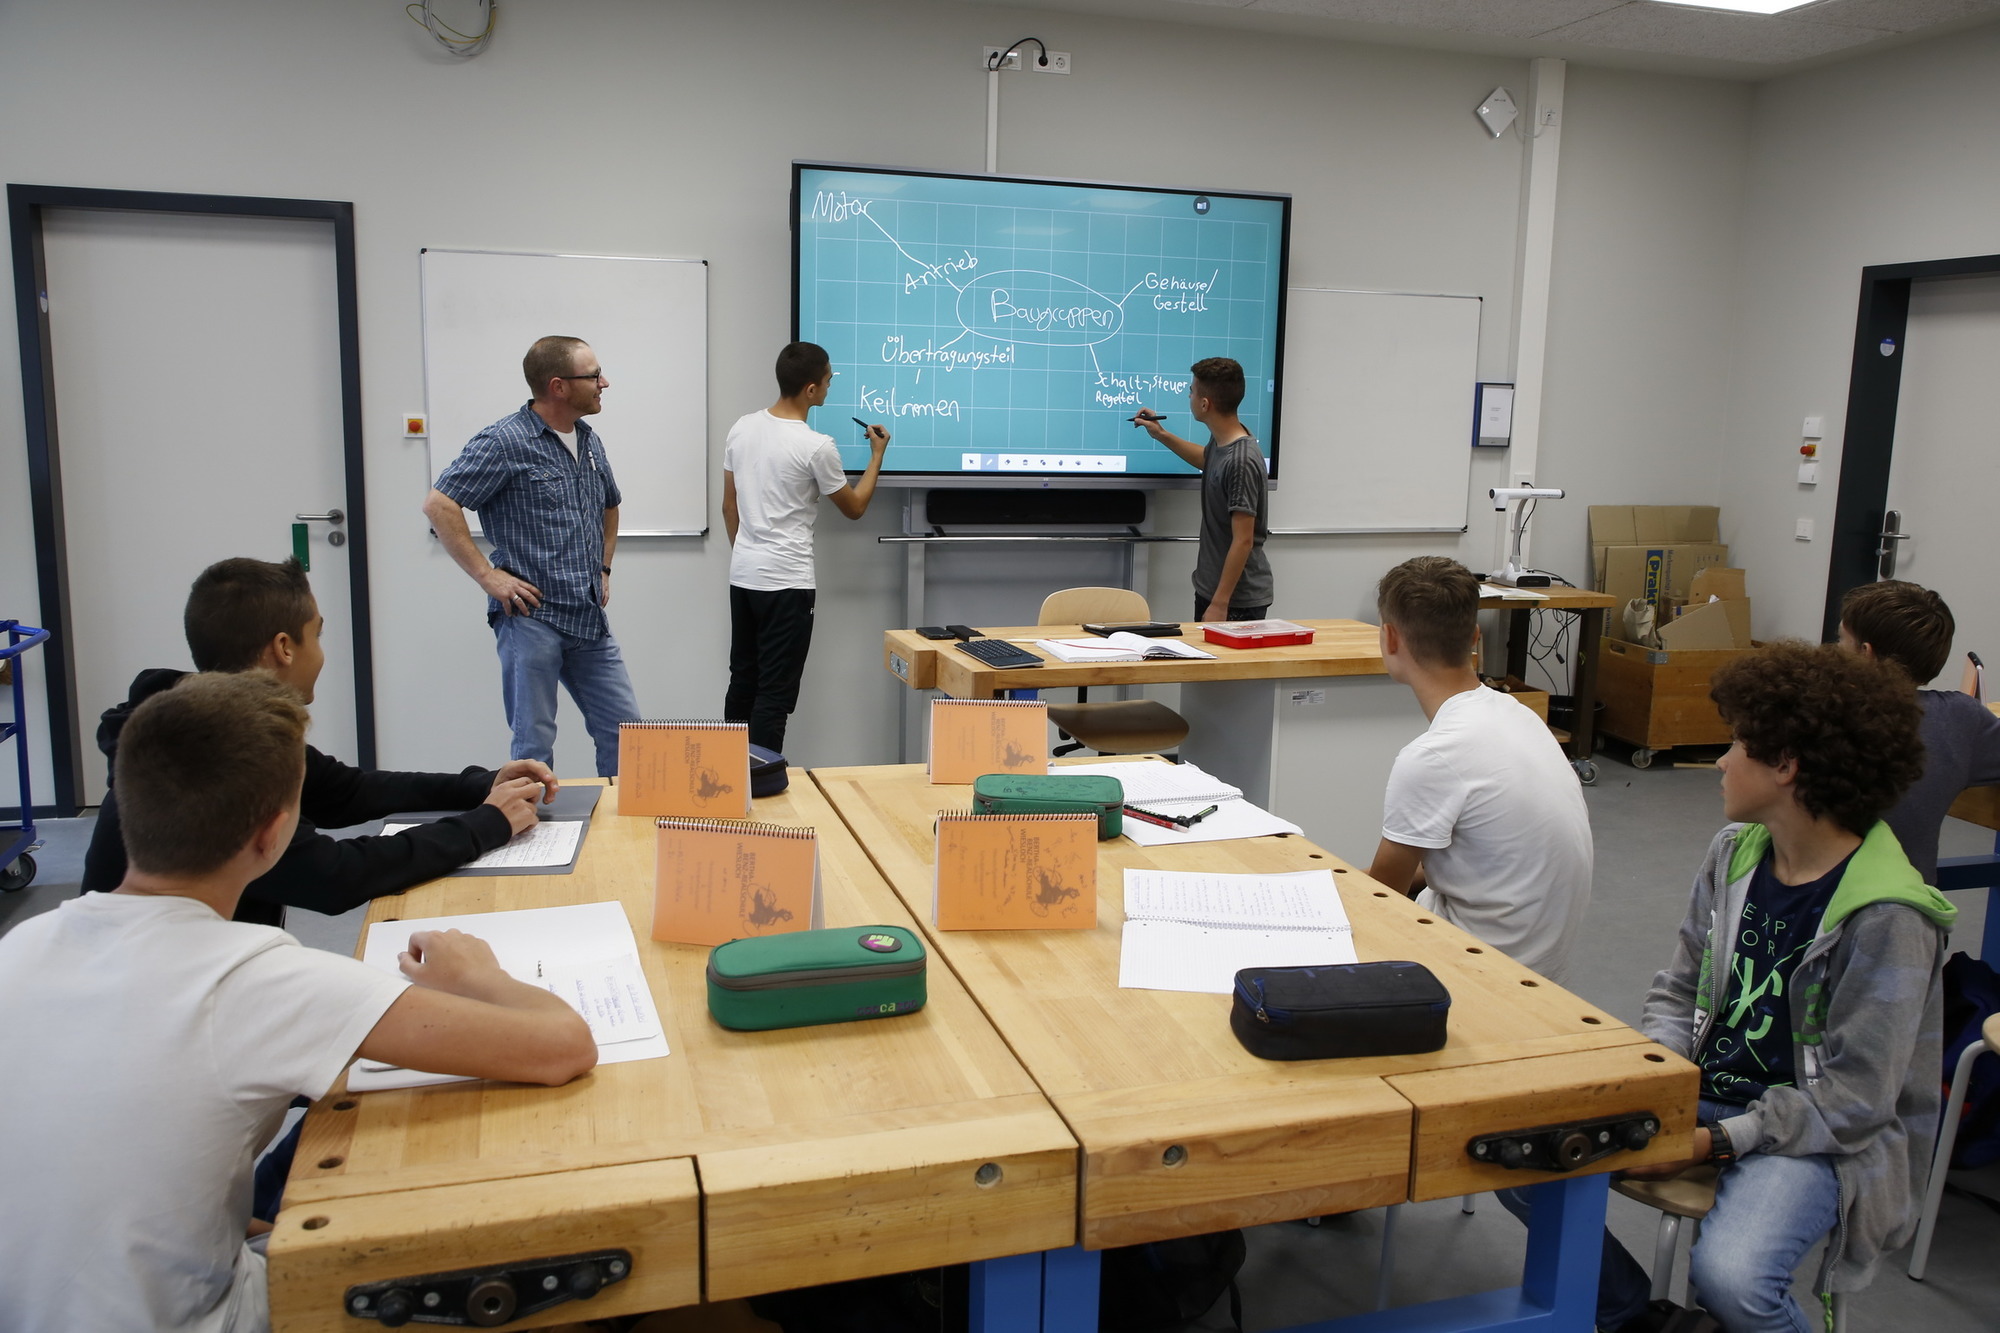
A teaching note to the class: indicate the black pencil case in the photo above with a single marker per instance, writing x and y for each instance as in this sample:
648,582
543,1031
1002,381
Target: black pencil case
1339,1010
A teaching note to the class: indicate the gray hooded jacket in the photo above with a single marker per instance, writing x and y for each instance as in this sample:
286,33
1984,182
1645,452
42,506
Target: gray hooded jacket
1866,1041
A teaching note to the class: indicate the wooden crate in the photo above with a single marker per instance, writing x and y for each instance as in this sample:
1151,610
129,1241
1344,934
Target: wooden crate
1657,699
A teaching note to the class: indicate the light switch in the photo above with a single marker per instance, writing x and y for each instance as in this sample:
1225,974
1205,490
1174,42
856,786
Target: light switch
1803,532
1809,474
1815,428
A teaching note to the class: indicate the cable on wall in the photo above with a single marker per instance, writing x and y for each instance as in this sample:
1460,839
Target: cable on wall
993,65
462,44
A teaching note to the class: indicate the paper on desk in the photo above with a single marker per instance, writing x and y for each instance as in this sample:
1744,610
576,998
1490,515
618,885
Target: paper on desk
1194,932
1301,900
586,954
1123,646
551,843
1233,818
1149,780
1511,594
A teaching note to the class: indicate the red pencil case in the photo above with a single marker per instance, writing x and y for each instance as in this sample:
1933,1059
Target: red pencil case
1256,633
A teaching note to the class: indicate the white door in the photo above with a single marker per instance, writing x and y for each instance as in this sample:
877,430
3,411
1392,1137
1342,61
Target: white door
198,408
1944,477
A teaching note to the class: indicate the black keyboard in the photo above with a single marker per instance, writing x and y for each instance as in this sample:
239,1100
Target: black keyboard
1000,653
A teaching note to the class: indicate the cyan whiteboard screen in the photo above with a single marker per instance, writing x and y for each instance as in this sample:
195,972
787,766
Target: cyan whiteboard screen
647,320
1378,421
1001,325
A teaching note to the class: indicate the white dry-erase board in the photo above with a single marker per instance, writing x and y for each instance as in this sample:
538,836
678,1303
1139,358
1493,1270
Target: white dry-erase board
647,320
1378,401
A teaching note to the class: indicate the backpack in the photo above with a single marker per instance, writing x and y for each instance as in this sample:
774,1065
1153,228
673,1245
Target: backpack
1971,996
1164,1285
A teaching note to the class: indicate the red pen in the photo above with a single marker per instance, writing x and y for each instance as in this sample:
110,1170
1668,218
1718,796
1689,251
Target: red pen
1152,818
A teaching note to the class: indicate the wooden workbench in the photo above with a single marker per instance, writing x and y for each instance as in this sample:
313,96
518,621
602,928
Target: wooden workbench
1184,1132
741,1163
1589,608
1340,648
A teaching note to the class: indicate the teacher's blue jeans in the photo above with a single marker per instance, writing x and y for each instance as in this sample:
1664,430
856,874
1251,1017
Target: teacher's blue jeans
534,658
1769,1211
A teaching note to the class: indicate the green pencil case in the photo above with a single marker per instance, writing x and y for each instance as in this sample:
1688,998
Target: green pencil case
1053,794
807,977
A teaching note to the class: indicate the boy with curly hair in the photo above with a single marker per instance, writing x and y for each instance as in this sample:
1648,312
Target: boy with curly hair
1805,984
1911,626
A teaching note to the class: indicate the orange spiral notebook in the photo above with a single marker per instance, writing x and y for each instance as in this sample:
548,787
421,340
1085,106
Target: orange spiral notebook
717,880
1015,872
685,769
971,737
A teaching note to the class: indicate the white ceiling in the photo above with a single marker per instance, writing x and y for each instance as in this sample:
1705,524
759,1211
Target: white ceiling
1646,34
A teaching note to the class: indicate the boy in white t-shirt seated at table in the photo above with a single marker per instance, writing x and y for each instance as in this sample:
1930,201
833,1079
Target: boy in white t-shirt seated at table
1483,813
153,1045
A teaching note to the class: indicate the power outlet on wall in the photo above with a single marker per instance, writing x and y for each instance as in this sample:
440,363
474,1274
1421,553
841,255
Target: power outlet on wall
986,54
1058,63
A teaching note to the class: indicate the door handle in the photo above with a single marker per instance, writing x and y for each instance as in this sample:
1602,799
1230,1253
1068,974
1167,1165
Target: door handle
1885,554
333,516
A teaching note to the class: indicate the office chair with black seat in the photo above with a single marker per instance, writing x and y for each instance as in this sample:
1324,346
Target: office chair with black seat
1125,726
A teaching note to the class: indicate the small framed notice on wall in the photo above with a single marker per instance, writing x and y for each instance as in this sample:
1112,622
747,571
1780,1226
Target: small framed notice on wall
1492,416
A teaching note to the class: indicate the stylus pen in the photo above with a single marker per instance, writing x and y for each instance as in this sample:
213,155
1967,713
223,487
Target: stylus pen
1151,415
1150,817
859,422
1200,815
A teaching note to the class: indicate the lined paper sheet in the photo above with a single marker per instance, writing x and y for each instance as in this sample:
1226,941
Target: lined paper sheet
586,954
549,844
1235,819
1149,780
1190,931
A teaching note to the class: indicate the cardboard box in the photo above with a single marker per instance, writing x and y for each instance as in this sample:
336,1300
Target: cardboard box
1716,614
1658,698
1651,553
1536,701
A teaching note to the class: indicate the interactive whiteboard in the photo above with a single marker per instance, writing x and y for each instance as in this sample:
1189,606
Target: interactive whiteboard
1007,328
647,320
1378,434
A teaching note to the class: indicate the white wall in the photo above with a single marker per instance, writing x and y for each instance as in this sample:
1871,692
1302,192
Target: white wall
635,127
1891,158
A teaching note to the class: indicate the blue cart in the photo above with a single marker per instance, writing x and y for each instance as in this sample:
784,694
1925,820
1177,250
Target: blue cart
17,866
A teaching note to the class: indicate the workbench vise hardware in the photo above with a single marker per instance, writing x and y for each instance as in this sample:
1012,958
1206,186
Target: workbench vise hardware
1564,1147
487,1297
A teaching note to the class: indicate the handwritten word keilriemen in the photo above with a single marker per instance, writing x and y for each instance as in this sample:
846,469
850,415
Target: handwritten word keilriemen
888,404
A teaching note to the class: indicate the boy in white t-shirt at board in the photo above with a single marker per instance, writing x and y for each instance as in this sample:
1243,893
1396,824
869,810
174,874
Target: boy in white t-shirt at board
774,470
153,1045
1483,813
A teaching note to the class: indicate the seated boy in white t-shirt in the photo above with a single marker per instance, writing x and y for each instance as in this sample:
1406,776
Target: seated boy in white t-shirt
1483,813
152,1044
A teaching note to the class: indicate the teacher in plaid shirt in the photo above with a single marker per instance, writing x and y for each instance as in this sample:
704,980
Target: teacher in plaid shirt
544,492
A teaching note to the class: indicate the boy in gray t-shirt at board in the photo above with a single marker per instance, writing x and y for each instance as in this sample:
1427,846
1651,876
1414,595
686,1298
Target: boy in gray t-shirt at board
1232,576
1912,627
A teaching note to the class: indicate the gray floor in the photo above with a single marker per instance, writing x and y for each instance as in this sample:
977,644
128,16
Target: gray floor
1650,829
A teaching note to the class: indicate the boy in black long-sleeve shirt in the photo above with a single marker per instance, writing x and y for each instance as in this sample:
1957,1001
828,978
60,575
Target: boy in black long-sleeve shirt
247,615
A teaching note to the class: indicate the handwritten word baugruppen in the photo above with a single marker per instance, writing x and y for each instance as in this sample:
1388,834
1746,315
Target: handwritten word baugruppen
1043,318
